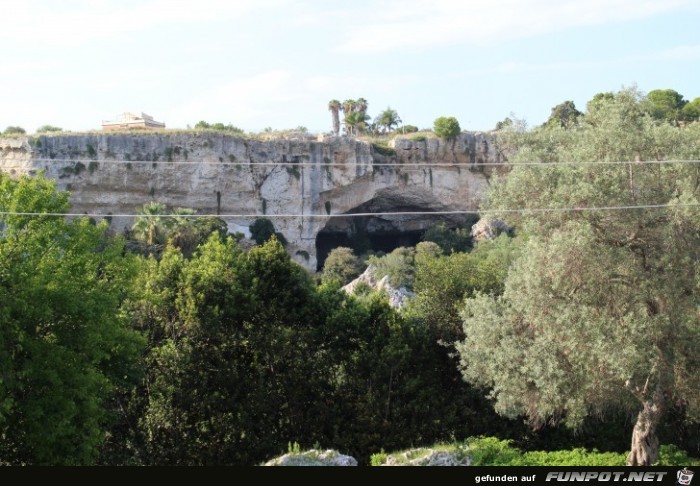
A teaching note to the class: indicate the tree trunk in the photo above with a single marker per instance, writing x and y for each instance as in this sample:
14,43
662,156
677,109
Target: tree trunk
645,444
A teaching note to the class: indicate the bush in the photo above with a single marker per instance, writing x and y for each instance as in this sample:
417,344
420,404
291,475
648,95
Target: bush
449,240
48,129
398,265
11,130
490,451
383,149
262,230
341,265
409,129
202,125
446,127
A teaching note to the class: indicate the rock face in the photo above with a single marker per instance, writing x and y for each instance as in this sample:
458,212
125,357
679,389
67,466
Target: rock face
427,457
489,229
398,297
302,185
313,458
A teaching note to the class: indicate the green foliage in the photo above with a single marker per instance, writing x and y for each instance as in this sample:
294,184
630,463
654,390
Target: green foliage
449,240
156,225
355,116
507,122
203,125
152,224
665,104
388,119
443,281
691,110
228,368
14,130
341,265
599,100
378,458
65,351
48,129
446,128
262,230
490,451
246,353
419,138
398,265
383,149
293,448
356,122
564,115
591,290
409,129
671,455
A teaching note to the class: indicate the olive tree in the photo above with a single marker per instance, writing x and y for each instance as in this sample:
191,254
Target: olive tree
601,308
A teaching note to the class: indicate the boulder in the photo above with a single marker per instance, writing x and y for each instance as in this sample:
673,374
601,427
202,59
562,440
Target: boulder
398,297
489,229
313,457
428,457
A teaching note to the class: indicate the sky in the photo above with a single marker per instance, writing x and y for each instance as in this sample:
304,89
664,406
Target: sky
277,63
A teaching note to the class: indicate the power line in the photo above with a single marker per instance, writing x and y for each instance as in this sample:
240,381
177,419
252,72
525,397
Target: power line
367,214
371,164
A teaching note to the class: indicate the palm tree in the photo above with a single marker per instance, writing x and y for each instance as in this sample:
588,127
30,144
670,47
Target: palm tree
334,106
361,105
348,108
152,223
356,122
388,118
182,229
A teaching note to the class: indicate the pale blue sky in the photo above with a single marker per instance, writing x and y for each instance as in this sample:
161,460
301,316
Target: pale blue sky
277,63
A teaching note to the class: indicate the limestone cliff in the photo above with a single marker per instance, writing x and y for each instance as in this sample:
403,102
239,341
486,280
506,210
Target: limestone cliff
235,177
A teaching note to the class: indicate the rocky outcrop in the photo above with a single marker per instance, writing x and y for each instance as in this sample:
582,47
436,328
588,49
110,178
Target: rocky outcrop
489,229
313,457
302,185
398,297
427,457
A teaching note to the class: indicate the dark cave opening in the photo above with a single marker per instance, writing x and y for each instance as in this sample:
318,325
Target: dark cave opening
382,233
382,241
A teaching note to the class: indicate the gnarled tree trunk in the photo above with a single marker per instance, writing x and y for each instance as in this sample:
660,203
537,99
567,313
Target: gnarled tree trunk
645,444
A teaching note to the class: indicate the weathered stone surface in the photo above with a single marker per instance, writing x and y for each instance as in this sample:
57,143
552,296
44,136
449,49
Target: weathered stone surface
313,457
297,183
488,229
398,297
428,457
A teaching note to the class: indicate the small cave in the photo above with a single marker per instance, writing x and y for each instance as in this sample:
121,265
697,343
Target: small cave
381,233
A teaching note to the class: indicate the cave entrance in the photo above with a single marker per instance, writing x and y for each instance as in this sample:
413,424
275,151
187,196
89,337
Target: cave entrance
382,233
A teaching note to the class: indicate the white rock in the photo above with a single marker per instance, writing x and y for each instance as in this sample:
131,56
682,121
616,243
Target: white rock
489,229
313,457
398,297
428,457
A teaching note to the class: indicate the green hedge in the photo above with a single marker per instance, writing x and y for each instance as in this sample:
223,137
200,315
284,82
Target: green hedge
490,451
